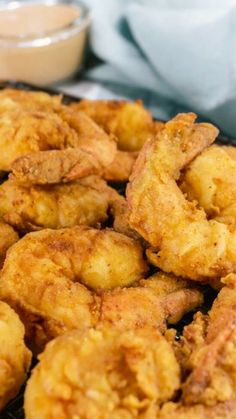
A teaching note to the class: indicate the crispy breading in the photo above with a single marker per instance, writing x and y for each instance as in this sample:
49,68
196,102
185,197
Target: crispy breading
88,150
85,202
48,276
66,281
102,374
230,150
8,237
207,352
121,167
24,132
30,100
90,137
225,410
32,122
157,301
15,358
183,240
130,122
54,166
210,180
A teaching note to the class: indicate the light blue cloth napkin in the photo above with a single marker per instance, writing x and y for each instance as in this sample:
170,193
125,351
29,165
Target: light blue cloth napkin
176,55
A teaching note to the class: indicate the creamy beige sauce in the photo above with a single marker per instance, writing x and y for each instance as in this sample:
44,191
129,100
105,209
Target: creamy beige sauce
34,19
39,62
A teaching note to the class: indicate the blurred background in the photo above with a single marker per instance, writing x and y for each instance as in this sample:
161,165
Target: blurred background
175,55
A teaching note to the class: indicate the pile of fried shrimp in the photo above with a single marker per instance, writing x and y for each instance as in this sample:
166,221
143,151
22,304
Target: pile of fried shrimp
113,227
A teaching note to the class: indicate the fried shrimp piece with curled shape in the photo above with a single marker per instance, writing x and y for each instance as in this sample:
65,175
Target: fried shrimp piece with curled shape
118,170
15,358
54,166
208,348
91,137
85,202
130,122
68,279
8,237
103,373
183,240
30,123
210,180
23,132
48,277
155,302
88,152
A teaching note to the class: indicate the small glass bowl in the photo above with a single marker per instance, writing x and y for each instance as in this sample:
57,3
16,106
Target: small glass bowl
45,57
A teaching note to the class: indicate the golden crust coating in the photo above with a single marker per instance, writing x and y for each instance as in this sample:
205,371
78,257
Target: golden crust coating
225,410
90,137
84,202
50,291
120,213
207,352
32,122
88,285
15,358
121,167
183,240
102,374
30,100
128,121
210,180
24,132
152,302
68,280
230,150
54,166
8,237
89,153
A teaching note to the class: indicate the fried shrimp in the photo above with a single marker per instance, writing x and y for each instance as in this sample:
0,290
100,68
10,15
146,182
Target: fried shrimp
34,122
210,180
103,373
89,152
78,277
206,354
24,132
210,355
157,301
183,240
85,202
52,292
15,358
54,166
128,121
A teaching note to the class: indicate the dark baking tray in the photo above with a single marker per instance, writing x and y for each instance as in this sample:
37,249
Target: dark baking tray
14,409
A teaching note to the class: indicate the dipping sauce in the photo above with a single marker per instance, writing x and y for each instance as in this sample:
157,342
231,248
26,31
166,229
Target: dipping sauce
36,19
41,42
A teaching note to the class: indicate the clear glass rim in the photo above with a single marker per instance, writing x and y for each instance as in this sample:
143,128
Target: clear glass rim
47,37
